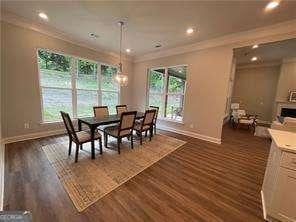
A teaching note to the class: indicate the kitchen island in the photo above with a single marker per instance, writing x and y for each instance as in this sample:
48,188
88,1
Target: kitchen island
279,186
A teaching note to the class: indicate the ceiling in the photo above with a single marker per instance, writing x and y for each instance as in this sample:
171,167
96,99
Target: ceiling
270,52
151,22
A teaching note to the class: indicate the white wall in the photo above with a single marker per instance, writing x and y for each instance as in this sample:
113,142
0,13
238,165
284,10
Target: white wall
1,144
255,89
20,85
287,79
207,80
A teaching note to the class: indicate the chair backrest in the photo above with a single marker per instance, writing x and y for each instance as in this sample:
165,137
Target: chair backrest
101,111
69,125
127,122
156,108
149,117
120,109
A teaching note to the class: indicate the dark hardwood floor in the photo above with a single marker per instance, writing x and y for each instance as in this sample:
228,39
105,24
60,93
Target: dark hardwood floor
200,181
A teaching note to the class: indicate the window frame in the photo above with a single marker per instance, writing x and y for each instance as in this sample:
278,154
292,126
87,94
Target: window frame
166,92
74,90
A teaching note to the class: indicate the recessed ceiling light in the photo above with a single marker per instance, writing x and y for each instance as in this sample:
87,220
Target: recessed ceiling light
253,59
93,35
255,46
189,31
271,5
128,50
43,15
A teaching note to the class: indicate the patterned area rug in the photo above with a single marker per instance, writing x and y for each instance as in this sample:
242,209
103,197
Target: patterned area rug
89,180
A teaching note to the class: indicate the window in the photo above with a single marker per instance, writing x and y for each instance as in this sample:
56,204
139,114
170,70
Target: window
74,85
110,88
166,89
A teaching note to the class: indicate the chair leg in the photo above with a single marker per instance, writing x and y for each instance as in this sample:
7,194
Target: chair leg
76,153
105,139
70,147
155,129
81,147
118,145
101,146
132,141
151,133
141,139
145,133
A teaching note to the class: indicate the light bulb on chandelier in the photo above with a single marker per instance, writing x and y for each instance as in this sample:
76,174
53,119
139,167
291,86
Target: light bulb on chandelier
121,78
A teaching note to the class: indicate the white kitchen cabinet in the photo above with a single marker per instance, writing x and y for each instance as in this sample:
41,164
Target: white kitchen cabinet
285,196
279,185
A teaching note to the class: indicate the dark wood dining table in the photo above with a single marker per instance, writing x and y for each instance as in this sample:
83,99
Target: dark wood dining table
94,122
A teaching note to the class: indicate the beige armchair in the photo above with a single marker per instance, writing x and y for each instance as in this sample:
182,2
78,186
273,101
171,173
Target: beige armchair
289,124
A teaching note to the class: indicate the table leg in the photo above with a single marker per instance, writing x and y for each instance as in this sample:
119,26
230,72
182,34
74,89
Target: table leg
92,134
79,125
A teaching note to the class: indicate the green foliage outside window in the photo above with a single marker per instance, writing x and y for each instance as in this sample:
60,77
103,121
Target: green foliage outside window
156,81
55,72
52,61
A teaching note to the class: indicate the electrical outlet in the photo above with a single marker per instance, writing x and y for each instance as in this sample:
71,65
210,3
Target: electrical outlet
26,125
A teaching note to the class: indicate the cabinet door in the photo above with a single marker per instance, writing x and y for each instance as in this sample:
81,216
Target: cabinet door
284,202
270,178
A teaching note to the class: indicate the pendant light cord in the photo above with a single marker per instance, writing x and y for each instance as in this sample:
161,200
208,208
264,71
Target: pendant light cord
120,46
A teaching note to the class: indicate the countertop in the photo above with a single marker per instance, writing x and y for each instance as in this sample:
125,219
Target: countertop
284,140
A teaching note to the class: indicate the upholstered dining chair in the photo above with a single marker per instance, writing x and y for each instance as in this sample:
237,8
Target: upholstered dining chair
101,112
156,108
146,124
124,129
120,109
80,137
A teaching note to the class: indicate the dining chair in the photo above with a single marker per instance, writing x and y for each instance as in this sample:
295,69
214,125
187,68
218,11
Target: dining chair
101,111
120,109
124,129
156,108
79,137
145,125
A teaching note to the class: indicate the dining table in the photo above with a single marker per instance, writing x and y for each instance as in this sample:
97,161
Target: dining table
94,122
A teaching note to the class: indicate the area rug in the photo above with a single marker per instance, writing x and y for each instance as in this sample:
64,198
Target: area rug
89,180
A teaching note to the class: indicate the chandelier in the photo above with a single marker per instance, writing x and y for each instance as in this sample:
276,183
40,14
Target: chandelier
120,77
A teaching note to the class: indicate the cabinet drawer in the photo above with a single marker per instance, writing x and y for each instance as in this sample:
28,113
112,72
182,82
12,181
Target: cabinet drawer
289,160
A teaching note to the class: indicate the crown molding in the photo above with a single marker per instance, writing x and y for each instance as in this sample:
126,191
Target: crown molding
276,32
55,33
289,60
260,65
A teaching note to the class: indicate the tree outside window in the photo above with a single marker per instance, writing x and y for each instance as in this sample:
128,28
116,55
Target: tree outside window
74,85
166,90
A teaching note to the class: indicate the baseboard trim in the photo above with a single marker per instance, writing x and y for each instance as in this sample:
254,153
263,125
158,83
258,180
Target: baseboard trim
2,159
191,134
30,136
263,205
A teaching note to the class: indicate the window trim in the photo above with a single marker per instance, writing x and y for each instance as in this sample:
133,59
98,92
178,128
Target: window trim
165,92
72,71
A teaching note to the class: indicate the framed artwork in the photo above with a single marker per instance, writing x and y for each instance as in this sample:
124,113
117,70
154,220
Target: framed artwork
292,97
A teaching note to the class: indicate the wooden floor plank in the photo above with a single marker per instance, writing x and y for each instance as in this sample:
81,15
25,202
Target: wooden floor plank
200,181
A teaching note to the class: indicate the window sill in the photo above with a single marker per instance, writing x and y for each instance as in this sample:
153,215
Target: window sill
49,123
171,120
